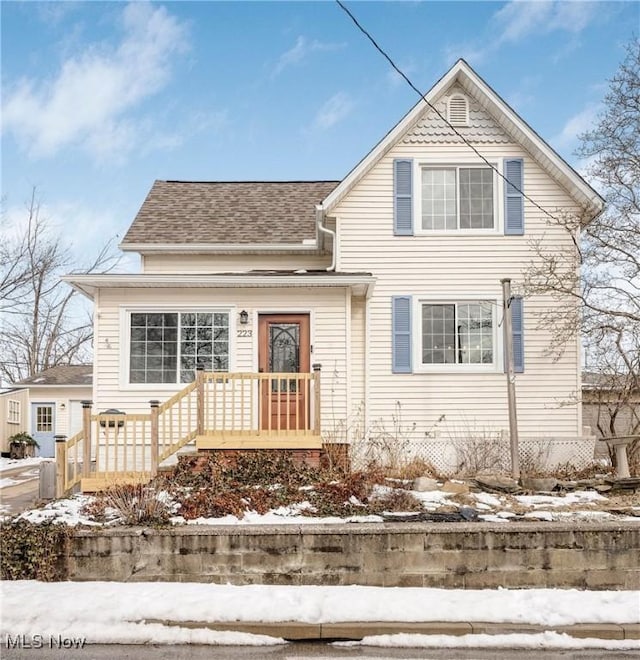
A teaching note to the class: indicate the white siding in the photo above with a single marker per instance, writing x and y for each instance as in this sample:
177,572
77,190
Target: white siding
64,399
328,327
456,265
232,263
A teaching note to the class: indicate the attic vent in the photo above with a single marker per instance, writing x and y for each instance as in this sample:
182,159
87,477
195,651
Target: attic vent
458,110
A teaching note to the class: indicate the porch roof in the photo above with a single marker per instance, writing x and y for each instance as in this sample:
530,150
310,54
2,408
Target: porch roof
361,284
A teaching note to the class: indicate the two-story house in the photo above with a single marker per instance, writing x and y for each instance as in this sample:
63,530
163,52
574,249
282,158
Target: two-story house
390,279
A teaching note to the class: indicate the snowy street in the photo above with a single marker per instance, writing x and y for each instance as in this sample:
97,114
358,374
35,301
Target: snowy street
188,613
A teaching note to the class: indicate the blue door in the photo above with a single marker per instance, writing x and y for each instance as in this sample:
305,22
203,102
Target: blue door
42,425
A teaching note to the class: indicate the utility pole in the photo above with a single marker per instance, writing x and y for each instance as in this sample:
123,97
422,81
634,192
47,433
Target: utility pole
511,378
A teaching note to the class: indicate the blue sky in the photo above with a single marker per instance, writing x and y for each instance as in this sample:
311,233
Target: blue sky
101,98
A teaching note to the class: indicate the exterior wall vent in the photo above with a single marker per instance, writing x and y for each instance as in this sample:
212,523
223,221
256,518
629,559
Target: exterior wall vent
458,110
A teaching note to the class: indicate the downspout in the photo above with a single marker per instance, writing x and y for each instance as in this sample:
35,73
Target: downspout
320,227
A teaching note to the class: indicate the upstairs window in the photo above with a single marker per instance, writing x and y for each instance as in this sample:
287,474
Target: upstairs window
457,198
458,110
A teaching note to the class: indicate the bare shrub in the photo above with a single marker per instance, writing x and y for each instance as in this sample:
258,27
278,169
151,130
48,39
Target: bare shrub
137,504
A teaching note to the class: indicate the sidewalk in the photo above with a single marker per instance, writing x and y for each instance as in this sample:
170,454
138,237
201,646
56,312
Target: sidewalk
356,631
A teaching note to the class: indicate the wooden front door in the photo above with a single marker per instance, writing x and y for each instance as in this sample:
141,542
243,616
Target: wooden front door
284,347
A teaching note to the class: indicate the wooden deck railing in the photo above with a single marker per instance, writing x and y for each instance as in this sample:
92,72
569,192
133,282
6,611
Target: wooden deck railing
216,405
259,403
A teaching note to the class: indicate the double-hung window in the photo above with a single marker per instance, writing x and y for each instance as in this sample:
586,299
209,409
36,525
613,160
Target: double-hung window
167,347
457,333
457,198
13,411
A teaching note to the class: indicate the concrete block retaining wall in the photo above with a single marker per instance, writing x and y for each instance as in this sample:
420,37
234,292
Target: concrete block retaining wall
477,556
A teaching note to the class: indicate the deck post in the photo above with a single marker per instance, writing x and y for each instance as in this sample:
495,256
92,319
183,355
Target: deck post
154,435
200,401
317,368
86,438
61,463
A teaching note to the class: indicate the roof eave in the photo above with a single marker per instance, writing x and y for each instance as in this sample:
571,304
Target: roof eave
221,248
360,284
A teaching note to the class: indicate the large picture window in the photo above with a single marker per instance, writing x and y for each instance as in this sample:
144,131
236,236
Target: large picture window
167,347
457,333
457,198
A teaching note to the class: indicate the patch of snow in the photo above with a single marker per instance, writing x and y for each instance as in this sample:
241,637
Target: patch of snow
577,497
488,499
492,517
67,511
545,640
539,515
7,481
78,605
12,463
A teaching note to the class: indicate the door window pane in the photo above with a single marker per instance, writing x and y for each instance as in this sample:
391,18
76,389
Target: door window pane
44,419
284,352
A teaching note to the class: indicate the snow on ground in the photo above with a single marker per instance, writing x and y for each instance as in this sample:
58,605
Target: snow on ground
130,613
12,463
545,640
80,604
68,511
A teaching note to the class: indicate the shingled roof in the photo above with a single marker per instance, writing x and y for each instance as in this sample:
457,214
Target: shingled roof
68,374
228,213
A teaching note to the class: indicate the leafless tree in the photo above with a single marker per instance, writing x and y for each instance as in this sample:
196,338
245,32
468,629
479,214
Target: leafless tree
600,268
41,327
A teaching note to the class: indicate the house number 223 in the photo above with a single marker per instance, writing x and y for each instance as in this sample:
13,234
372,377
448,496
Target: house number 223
244,333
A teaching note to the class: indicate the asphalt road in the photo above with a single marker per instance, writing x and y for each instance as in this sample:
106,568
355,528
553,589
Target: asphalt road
299,652
23,494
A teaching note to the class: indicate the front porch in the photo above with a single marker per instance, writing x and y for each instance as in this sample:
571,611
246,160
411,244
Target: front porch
217,411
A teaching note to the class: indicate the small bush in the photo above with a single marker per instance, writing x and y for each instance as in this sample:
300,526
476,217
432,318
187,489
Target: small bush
30,551
137,504
395,500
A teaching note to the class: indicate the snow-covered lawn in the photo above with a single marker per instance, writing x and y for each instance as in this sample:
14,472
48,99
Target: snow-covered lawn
105,612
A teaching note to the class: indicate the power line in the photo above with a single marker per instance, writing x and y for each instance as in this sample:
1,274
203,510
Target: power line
444,119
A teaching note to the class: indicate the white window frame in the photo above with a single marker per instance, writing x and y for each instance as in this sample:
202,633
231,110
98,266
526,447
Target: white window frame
125,334
418,367
14,411
456,163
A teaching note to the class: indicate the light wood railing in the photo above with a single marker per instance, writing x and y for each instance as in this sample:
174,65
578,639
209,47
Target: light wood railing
222,405
259,403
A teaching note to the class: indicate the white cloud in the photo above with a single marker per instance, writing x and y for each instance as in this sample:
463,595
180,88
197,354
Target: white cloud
333,111
300,51
575,126
520,19
87,102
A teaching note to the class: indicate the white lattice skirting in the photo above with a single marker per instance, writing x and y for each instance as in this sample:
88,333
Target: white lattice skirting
450,457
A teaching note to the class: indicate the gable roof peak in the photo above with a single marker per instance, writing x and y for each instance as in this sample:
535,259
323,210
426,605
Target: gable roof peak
473,84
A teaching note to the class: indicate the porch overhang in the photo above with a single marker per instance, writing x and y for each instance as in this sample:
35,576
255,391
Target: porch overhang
360,284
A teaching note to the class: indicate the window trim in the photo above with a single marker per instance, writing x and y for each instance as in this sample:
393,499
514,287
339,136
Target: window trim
14,415
457,164
454,299
125,335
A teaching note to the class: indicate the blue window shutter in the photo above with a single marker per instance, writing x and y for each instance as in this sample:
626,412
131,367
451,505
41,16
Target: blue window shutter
513,199
402,197
517,332
401,334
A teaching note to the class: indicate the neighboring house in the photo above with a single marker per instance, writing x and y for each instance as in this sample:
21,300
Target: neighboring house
14,414
390,279
611,404
50,404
